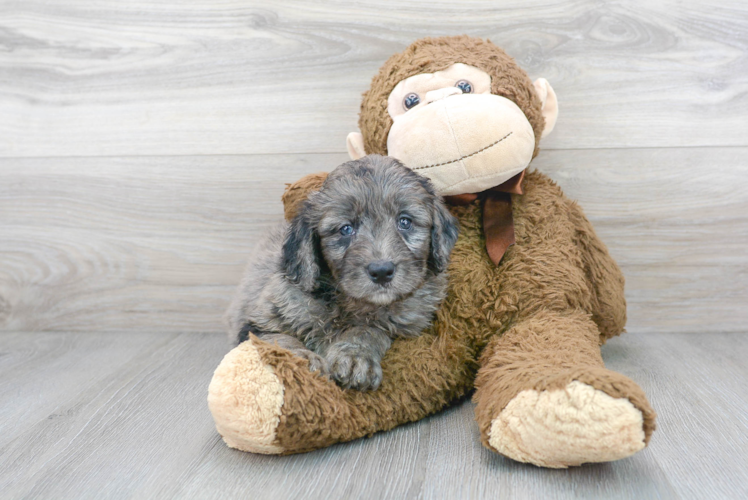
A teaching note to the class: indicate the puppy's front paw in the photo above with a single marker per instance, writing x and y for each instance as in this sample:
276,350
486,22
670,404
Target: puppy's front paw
355,371
316,362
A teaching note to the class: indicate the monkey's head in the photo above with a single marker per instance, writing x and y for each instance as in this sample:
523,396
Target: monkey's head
457,110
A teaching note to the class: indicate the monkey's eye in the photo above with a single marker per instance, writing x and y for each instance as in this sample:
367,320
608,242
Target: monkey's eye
465,86
411,100
404,223
347,230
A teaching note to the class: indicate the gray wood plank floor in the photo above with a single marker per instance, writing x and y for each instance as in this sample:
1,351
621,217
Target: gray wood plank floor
124,416
144,147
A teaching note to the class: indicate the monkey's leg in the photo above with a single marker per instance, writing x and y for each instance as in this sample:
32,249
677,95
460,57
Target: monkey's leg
545,397
265,400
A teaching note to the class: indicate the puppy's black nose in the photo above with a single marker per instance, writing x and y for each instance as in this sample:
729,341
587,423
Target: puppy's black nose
381,271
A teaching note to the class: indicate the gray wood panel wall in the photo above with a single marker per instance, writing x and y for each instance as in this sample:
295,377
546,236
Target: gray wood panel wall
144,145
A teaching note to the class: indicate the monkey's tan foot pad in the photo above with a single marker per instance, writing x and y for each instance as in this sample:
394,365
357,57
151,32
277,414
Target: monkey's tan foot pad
564,427
245,398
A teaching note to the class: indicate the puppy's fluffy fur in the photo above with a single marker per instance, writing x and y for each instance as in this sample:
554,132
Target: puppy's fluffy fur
361,264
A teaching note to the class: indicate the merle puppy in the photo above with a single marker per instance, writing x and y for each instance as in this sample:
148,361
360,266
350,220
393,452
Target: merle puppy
361,264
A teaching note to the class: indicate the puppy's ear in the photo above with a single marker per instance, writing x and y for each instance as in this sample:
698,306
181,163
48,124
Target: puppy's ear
301,251
443,236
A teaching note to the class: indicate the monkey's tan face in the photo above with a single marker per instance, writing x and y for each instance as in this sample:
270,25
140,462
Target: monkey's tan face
448,127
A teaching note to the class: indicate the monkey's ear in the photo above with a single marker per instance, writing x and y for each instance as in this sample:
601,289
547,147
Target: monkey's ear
550,104
301,252
355,144
444,233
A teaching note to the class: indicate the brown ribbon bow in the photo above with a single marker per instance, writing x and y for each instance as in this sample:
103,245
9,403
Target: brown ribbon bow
498,226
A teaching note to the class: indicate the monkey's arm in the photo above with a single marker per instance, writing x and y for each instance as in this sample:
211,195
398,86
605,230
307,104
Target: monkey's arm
265,400
603,275
297,192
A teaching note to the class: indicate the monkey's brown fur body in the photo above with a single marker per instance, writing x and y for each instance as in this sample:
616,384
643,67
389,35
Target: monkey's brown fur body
525,334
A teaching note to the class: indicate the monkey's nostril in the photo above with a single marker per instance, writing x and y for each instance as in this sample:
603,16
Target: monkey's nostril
381,271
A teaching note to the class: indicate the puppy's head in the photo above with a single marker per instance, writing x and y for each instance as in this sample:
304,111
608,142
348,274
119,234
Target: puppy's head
376,227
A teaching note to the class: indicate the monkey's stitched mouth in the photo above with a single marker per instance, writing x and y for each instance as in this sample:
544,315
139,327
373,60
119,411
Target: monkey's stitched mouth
466,156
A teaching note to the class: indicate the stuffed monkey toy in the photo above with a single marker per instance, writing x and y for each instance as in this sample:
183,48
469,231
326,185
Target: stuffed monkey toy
533,292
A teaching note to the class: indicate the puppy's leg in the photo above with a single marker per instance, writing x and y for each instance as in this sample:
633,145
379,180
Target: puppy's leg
355,356
316,362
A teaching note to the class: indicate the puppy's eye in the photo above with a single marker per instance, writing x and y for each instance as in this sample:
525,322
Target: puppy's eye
404,223
465,86
347,230
411,100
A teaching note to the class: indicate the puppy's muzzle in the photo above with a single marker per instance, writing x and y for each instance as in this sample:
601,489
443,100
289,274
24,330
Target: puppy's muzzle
381,271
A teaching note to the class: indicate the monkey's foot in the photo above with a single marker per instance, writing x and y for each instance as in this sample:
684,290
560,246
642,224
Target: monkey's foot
559,428
245,397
